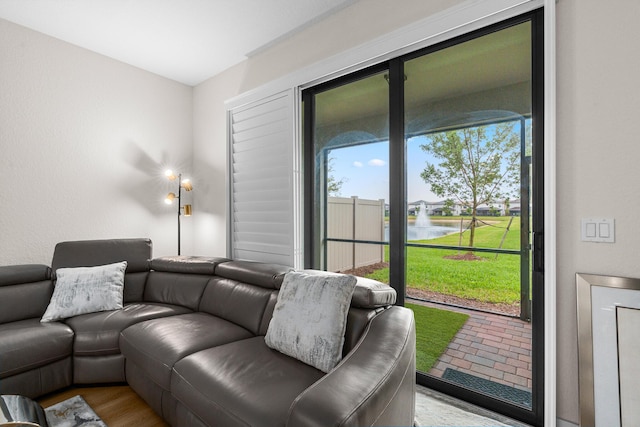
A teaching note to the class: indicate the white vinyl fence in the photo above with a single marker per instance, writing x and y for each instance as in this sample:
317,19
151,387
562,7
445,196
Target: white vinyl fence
354,219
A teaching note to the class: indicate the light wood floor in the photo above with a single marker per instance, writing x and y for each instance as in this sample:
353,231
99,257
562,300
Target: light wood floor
118,406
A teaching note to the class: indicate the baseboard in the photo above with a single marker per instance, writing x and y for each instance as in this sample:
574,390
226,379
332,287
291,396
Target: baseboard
563,423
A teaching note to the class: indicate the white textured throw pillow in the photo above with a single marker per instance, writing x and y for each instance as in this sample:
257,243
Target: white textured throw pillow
82,290
310,318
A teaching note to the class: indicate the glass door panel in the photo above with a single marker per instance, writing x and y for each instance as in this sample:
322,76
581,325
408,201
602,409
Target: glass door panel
351,149
467,110
425,173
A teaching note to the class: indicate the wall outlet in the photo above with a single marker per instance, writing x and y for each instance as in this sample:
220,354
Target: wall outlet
599,230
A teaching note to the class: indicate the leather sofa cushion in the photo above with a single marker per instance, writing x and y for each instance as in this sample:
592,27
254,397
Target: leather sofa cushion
261,274
368,293
16,274
97,334
29,344
39,381
357,321
87,253
134,286
187,264
25,291
175,288
99,369
377,379
241,383
156,345
24,301
237,302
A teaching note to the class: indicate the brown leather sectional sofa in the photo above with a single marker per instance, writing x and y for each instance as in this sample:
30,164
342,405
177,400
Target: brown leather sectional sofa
190,341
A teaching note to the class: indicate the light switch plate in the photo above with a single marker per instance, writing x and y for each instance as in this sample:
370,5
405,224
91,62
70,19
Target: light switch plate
599,230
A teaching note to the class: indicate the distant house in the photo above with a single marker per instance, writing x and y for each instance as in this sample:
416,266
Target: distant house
414,207
439,208
500,209
514,208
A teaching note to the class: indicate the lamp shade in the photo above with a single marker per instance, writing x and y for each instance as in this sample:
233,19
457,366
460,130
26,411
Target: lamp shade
183,184
169,199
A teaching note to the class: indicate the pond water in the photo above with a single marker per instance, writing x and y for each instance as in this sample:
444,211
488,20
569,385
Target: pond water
431,231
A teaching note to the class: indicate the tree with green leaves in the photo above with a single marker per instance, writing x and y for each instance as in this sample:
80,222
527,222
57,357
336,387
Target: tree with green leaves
334,186
447,208
475,166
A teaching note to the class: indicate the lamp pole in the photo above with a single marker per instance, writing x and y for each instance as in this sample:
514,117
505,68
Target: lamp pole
179,207
188,186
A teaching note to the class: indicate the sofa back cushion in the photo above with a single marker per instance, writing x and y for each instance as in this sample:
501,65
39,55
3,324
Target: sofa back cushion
188,264
245,293
264,275
241,303
89,253
368,293
175,288
25,291
357,321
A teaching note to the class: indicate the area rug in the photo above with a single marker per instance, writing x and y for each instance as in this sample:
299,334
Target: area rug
73,412
501,391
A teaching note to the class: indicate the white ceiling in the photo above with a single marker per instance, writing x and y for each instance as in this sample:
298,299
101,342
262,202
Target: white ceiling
184,40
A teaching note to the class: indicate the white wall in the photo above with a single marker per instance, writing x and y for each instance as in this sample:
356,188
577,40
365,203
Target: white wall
348,28
83,142
598,102
210,161
596,156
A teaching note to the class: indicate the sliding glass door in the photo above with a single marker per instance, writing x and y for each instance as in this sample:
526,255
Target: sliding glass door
424,172
351,172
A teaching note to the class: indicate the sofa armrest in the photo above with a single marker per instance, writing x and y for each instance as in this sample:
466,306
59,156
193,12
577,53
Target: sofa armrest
374,385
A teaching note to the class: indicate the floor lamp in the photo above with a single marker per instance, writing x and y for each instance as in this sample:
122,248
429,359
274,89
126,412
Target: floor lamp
183,184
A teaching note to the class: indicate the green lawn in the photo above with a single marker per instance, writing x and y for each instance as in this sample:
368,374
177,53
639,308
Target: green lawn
491,280
434,330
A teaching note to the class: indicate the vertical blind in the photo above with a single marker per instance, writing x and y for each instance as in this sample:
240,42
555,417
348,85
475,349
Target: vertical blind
263,178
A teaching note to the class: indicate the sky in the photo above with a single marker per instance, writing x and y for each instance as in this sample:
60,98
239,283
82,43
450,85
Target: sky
365,170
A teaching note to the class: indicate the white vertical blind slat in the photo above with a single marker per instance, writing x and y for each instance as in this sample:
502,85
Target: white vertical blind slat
261,166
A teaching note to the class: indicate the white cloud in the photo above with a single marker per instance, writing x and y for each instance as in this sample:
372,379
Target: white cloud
377,162
357,164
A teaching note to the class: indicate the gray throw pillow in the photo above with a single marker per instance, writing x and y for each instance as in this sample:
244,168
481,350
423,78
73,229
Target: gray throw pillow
82,290
310,318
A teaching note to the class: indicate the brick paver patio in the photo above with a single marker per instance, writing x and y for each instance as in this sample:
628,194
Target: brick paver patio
489,346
